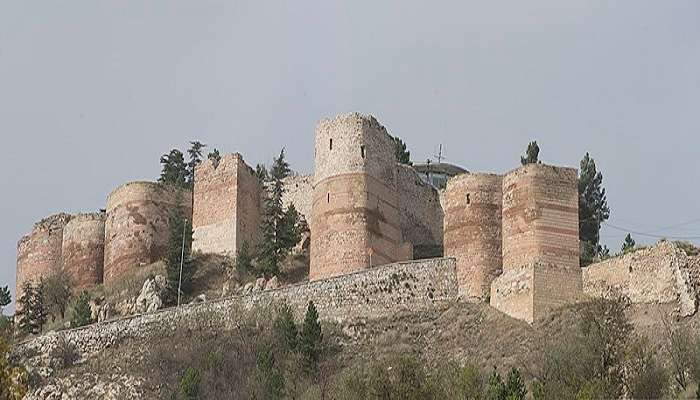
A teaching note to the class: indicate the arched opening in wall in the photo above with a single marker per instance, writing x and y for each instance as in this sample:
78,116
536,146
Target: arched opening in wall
468,199
331,144
362,151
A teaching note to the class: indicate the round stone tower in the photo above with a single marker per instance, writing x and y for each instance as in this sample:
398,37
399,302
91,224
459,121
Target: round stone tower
83,250
39,252
354,217
472,228
136,228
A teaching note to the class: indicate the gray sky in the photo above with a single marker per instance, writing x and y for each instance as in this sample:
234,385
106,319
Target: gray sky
93,92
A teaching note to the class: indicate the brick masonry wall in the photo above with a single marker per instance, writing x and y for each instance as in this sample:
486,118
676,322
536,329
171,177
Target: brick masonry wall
473,231
355,210
376,293
83,250
226,206
420,212
39,252
540,216
298,190
136,228
659,274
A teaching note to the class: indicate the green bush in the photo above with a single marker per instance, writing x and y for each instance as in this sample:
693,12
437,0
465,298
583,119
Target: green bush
189,383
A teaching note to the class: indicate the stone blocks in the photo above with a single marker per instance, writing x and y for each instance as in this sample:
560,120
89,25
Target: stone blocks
83,250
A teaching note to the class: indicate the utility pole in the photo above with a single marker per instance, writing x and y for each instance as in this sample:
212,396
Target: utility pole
182,258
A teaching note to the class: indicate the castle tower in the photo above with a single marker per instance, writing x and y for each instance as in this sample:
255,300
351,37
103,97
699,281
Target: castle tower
540,242
137,225
473,231
83,250
354,214
39,252
226,206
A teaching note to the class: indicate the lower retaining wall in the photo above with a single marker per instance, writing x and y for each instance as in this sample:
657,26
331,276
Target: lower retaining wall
375,293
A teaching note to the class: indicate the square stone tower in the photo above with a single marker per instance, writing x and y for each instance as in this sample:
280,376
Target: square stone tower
355,221
226,208
540,242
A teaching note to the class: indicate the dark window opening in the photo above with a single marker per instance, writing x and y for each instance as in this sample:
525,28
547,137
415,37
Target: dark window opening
362,151
331,144
328,197
468,199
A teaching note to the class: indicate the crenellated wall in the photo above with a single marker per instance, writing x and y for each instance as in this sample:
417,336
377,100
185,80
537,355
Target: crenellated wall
226,206
39,252
83,250
137,225
473,231
355,221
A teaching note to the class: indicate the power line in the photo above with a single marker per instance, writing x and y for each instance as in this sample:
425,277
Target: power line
623,229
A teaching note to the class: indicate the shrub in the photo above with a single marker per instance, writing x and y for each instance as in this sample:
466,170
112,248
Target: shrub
645,377
13,379
81,315
64,354
454,382
189,383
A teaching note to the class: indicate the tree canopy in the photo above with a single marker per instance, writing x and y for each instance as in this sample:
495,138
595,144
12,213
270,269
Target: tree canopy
593,209
531,154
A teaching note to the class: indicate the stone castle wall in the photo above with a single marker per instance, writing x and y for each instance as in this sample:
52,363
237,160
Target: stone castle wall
39,252
659,274
376,293
136,228
298,190
420,213
355,220
226,206
473,231
83,250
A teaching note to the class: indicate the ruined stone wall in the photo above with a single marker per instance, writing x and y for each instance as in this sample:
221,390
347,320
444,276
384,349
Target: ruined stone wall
473,231
376,293
540,216
226,206
39,252
136,228
540,242
83,250
298,190
355,207
659,274
421,214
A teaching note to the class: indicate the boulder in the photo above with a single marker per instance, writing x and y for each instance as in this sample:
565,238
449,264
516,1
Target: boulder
259,285
273,283
149,299
248,287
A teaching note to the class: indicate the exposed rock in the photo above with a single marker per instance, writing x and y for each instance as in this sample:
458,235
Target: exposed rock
248,288
199,299
259,285
226,289
106,312
149,299
90,386
273,283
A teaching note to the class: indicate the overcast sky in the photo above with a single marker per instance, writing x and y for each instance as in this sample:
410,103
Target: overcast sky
93,92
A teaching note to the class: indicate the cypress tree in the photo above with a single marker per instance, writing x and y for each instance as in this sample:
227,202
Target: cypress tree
310,340
593,209
628,244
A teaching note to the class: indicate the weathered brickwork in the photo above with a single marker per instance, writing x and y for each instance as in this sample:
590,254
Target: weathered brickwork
420,213
540,242
39,252
659,274
83,250
298,190
376,293
355,220
226,206
136,228
473,231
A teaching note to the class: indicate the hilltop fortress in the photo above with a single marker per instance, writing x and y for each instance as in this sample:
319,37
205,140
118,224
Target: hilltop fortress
510,240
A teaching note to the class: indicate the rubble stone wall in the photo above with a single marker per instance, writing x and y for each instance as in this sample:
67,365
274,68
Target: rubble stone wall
83,250
662,273
376,293
137,225
298,190
39,252
421,214
473,231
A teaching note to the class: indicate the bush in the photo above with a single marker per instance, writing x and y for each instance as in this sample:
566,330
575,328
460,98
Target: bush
454,382
64,354
82,315
189,384
645,377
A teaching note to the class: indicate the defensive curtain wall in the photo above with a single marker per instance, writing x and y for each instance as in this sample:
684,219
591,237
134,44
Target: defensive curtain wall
137,226
379,292
355,221
227,206
540,242
83,250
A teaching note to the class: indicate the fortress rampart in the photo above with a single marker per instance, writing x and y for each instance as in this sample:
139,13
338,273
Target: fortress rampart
355,220
39,252
226,206
473,231
136,228
83,250
298,190
420,213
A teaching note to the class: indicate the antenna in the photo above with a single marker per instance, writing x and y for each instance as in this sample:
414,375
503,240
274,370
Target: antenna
439,155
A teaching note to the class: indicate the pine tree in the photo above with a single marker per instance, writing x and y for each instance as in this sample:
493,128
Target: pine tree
174,169
310,339
532,154
215,157
287,328
195,154
403,156
244,260
593,209
31,313
5,297
178,225
628,244
81,314
261,173
57,293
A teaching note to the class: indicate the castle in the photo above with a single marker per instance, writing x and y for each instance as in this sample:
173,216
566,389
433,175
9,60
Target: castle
513,237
